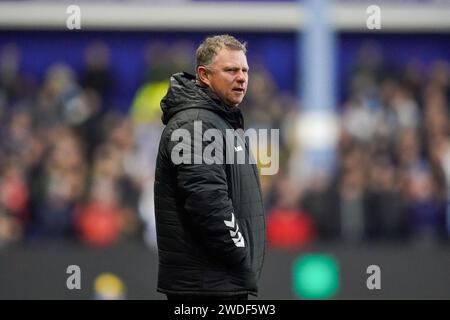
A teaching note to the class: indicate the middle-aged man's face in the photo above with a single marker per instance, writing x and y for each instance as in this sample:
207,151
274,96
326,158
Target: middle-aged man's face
228,76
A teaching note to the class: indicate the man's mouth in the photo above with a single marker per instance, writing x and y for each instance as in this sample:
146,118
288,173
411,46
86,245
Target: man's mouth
240,90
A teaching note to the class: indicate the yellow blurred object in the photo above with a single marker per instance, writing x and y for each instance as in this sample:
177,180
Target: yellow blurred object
146,104
108,286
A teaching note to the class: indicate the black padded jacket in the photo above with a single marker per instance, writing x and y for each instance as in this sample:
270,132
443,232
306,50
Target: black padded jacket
209,217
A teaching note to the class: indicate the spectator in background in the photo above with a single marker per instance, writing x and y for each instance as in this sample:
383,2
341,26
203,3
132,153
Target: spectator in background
440,161
58,186
97,74
14,191
386,220
161,61
16,135
14,212
288,226
14,86
90,121
404,107
56,97
352,199
338,209
99,221
130,180
90,105
424,208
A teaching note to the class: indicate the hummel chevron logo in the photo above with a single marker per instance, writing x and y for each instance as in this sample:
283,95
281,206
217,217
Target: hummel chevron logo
230,224
236,235
238,148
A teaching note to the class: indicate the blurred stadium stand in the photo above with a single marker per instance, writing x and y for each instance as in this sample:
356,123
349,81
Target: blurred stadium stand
79,127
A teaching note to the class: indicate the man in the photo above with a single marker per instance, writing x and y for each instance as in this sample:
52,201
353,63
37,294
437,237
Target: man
209,217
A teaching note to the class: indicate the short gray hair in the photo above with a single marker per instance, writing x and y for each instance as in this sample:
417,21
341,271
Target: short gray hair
212,45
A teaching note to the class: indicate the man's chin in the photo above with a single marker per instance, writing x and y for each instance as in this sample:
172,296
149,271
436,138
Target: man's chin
234,103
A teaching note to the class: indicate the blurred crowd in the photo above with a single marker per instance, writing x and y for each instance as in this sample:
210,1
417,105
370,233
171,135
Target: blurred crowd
392,177
72,167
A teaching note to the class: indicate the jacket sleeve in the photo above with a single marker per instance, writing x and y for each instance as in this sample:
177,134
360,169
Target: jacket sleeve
204,189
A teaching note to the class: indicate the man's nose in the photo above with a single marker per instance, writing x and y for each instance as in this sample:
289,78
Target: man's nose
241,77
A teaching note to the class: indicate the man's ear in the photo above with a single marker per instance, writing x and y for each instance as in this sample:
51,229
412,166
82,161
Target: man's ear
202,73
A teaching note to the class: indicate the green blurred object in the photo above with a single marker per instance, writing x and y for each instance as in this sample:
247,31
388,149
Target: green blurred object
315,276
146,103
